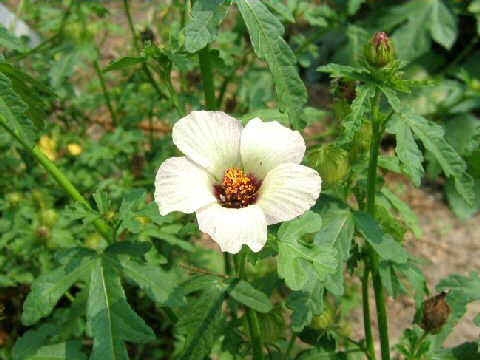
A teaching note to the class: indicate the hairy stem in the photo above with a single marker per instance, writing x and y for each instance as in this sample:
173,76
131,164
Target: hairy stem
146,70
373,257
253,325
105,92
367,324
207,78
61,179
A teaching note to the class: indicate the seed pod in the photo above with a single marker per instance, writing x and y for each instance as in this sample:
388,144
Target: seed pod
326,319
331,163
435,313
379,50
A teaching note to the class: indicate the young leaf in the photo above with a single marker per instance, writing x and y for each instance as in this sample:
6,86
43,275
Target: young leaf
203,28
69,350
202,324
159,285
306,302
123,63
407,214
294,257
12,113
343,241
266,35
128,208
111,318
49,287
79,211
432,136
407,150
463,290
247,295
10,41
31,341
359,106
424,19
383,244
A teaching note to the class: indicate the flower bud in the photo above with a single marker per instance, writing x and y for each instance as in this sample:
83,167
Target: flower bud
331,163
435,313
379,50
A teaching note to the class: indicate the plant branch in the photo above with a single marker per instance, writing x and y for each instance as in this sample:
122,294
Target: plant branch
290,346
207,78
105,92
253,325
367,324
373,257
61,179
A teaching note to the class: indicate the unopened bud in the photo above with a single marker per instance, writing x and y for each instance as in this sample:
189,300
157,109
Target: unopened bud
379,50
331,162
435,313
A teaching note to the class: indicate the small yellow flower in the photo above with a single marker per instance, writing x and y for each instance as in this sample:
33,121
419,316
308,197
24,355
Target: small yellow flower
47,145
75,149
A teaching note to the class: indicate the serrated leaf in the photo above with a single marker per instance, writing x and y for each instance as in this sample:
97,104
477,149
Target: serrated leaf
358,108
160,286
12,113
202,325
247,295
49,287
31,341
131,248
421,21
407,150
127,212
463,290
280,9
407,214
9,40
306,303
102,201
123,63
383,244
294,256
432,137
203,28
337,227
266,35
111,318
29,90
348,72
467,350
69,350
79,211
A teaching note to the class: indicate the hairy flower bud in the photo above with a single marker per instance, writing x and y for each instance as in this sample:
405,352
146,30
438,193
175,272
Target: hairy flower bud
331,162
379,50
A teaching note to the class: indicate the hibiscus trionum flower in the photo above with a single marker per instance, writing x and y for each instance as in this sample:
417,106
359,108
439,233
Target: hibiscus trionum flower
237,180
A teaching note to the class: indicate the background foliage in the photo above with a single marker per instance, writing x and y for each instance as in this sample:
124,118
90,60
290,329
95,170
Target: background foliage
99,96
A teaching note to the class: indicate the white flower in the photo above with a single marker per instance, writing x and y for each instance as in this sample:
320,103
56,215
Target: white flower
237,180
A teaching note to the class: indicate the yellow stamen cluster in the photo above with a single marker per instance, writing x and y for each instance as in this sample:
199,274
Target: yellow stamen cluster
238,189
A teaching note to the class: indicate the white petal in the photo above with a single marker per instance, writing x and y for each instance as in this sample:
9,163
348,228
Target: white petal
267,144
211,139
231,228
181,185
288,191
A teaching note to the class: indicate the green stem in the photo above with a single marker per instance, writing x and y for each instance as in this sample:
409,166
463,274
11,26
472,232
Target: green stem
374,261
146,70
105,92
253,324
61,179
367,324
126,8
207,78
290,346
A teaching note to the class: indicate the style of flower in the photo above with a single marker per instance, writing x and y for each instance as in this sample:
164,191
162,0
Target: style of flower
237,180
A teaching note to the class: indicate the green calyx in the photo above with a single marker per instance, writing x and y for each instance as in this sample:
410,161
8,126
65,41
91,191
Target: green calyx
379,50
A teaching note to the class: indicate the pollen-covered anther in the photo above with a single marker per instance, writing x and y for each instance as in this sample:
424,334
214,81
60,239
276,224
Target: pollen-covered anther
237,189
